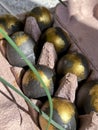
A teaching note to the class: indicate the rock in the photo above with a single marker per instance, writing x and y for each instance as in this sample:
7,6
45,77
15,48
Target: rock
34,114
89,121
3,47
67,87
48,56
18,73
14,114
32,28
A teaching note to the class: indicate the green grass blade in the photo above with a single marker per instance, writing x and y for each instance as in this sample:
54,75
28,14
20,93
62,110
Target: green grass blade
30,103
11,42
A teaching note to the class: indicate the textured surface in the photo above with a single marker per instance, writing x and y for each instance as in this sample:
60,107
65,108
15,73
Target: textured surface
48,56
16,7
67,87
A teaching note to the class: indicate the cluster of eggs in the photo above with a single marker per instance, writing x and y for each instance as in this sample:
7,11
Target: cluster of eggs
64,112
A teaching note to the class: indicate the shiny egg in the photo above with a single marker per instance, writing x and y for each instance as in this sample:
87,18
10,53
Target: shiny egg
32,87
10,24
59,38
87,97
42,16
75,63
26,44
64,113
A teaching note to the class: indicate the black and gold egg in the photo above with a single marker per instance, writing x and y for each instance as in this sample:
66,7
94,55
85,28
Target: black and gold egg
26,44
10,24
42,16
64,114
58,37
32,87
87,97
74,63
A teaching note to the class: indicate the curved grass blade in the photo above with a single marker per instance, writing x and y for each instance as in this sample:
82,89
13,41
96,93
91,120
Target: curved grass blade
32,104
11,42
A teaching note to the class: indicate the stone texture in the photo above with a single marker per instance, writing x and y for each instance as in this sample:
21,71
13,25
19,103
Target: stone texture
34,114
3,47
89,122
48,56
3,10
17,7
17,73
67,87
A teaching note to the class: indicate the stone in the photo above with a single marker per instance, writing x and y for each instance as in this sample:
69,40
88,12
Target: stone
18,73
68,86
3,47
89,121
48,56
34,114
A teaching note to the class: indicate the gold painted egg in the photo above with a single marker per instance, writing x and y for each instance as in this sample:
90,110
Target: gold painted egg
64,113
32,87
26,44
10,24
42,16
87,97
58,37
74,63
